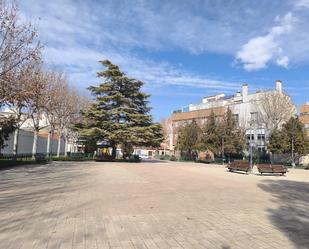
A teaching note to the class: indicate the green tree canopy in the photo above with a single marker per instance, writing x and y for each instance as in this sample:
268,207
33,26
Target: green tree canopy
223,137
278,142
232,136
210,135
291,138
120,114
187,140
7,126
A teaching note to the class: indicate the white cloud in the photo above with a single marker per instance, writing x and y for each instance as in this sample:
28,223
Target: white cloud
77,32
300,4
155,74
260,50
283,61
76,40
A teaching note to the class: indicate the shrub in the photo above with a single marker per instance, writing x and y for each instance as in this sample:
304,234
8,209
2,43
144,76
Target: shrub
71,158
134,159
205,161
173,158
165,157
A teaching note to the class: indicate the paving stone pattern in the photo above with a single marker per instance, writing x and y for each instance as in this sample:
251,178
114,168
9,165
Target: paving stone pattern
151,205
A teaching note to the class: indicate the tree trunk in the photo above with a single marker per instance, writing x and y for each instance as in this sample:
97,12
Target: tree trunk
15,143
164,148
59,144
35,142
51,144
48,143
65,145
16,133
114,150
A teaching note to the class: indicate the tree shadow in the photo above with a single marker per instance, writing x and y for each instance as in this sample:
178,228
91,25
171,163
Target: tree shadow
270,174
19,164
28,196
292,215
154,161
237,172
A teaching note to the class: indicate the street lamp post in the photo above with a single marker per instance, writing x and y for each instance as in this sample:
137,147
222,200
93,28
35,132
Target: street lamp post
251,151
251,143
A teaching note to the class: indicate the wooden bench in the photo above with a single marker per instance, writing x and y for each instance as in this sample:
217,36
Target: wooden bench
271,169
239,165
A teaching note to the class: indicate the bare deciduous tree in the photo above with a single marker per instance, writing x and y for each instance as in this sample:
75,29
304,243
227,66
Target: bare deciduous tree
22,94
275,109
55,81
67,106
37,101
167,132
18,46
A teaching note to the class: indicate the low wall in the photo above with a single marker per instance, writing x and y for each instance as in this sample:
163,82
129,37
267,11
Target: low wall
25,141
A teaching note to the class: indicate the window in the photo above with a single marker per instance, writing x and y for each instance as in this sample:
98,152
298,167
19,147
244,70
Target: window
250,137
254,116
236,117
261,137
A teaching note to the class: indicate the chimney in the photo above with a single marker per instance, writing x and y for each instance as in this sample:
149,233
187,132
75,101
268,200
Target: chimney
244,92
279,86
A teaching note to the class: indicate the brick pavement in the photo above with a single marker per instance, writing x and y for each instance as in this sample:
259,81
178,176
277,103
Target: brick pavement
151,205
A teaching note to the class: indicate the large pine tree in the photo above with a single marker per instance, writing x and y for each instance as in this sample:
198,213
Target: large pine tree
120,114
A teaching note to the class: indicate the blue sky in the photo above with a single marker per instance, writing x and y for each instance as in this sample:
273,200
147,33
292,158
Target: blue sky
182,50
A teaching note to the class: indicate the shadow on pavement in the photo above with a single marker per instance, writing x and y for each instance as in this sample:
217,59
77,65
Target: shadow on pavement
32,197
271,174
237,172
153,161
292,215
23,165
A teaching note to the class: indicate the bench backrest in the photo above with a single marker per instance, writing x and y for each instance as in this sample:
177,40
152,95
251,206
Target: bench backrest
240,164
265,168
271,168
277,168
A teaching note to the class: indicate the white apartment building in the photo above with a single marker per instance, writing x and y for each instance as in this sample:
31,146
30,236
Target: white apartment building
245,106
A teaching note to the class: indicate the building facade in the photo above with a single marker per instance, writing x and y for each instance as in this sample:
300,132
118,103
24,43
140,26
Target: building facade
304,116
245,106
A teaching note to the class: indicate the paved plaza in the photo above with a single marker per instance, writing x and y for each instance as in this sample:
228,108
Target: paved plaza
151,205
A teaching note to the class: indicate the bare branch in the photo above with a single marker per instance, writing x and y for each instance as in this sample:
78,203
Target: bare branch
275,109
